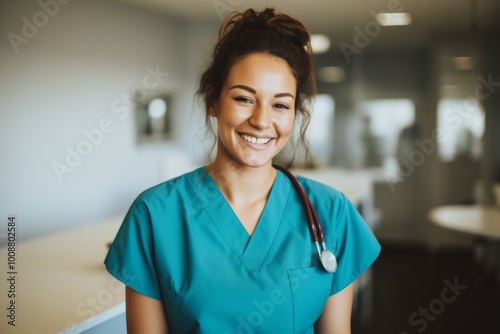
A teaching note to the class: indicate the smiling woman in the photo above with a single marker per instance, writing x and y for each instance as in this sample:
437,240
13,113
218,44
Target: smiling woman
224,248
255,111
267,33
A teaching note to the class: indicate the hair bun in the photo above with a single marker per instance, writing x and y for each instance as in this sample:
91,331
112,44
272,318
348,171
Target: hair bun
277,24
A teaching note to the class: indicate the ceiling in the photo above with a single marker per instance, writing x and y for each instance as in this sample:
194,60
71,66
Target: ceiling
338,18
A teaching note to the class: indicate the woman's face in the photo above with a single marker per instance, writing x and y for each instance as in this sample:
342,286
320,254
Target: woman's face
255,111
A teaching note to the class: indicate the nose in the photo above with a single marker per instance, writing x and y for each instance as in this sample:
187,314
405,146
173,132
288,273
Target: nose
261,117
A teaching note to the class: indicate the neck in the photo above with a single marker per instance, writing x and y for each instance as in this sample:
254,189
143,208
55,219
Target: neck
242,184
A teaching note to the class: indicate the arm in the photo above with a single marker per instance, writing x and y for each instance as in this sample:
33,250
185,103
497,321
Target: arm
336,316
144,314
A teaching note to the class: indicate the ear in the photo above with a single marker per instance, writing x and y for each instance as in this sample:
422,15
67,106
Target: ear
213,106
212,110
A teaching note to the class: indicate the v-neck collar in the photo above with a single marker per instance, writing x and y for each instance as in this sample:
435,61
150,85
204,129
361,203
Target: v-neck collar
253,249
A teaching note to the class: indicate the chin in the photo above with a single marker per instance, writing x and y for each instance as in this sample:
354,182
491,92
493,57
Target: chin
256,163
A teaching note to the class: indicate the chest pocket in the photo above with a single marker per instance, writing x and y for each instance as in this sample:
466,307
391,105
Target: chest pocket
310,288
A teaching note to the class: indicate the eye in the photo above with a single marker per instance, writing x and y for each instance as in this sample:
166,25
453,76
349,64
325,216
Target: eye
281,106
242,99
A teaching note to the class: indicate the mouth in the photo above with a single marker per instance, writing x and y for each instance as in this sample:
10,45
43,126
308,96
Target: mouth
255,140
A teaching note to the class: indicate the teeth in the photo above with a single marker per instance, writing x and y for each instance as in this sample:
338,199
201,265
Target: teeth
258,141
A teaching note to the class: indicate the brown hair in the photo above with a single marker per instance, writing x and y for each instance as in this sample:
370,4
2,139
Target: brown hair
268,32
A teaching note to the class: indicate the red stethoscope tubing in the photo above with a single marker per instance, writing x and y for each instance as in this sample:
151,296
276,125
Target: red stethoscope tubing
327,258
312,218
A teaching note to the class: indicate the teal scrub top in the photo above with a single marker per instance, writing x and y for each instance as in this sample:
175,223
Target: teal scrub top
181,243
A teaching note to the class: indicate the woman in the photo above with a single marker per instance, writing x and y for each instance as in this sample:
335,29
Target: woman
225,248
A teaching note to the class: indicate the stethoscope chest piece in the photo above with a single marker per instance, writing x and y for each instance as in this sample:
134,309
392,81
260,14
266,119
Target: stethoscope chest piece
326,257
328,261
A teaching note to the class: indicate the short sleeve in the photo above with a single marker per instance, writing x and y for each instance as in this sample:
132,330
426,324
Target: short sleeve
130,258
356,247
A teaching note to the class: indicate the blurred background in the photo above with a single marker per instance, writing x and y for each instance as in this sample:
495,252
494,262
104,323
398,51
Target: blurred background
97,104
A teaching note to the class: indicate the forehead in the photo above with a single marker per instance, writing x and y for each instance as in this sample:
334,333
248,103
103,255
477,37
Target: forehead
259,69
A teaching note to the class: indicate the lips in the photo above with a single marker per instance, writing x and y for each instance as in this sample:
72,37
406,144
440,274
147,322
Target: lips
255,140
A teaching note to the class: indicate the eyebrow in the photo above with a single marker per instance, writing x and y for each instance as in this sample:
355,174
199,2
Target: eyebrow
253,91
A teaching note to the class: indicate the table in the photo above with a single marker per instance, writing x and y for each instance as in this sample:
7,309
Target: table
481,220
61,280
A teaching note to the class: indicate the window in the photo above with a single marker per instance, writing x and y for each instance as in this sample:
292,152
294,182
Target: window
320,130
461,125
388,126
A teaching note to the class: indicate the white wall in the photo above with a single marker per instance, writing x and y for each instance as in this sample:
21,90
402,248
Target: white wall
64,81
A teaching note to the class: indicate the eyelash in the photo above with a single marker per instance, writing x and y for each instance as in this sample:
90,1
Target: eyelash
247,100
283,106
243,99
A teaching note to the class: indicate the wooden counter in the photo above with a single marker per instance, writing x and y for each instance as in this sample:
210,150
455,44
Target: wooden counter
61,280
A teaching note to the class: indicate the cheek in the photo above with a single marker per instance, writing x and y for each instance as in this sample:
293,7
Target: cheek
285,124
231,116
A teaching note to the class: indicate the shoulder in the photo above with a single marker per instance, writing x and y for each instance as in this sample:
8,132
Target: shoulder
167,191
326,200
317,190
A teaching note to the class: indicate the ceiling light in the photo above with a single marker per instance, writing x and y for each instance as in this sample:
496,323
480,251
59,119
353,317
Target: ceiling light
320,43
393,19
331,74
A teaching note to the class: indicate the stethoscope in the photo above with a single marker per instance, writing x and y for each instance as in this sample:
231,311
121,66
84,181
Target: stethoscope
326,257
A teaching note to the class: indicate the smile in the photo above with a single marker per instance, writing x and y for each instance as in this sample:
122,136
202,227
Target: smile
254,140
